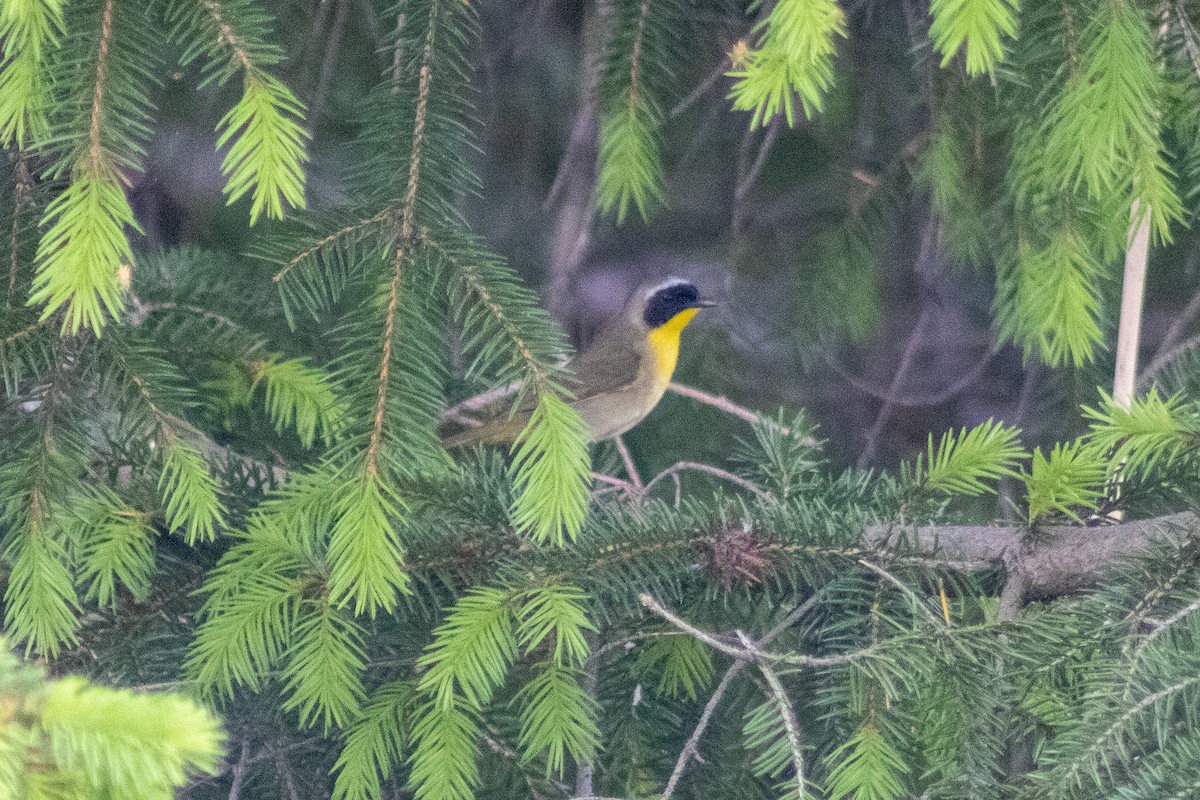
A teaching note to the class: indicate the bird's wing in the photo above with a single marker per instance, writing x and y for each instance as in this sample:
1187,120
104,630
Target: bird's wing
610,364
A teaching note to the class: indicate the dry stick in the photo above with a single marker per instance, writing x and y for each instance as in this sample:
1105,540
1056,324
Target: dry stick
630,467
788,713
1132,292
1130,327
690,748
885,413
716,472
911,401
331,53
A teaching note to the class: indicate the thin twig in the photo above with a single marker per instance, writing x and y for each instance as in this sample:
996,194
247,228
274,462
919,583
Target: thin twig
914,401
791,725
239,771
708,469
904,588
630,467
330,60
1167,350
901,374
752,652
691,747
704,85
729,407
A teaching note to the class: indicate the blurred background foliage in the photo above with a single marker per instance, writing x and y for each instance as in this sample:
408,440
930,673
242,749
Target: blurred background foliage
933,242
822,239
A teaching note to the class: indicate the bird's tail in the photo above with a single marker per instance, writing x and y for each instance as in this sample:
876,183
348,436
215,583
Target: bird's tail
496,431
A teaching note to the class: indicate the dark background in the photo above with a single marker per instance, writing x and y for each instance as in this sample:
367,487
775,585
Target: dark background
881,345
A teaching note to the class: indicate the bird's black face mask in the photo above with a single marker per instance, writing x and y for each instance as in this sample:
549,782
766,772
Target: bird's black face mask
668,301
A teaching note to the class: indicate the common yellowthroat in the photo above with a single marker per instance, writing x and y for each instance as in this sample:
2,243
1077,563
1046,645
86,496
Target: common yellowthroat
622,375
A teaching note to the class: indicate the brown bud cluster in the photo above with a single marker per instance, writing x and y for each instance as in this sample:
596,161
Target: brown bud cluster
735,555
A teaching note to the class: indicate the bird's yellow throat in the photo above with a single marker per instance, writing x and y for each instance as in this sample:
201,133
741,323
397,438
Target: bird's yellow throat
664,344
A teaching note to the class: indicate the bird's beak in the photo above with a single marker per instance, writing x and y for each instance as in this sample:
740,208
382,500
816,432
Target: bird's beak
704,303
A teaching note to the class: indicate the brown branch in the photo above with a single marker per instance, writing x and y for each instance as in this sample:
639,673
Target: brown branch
406,235
1062,559
729,407
97,163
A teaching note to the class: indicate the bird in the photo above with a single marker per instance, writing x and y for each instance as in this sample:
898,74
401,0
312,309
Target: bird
620,377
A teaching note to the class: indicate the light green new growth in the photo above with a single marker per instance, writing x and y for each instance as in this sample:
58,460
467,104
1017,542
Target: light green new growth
631,170
301,396
83,249
263,131
365,555
70,740
1104,136
41,606
551,473
961,463
683,665
1151,431
118,548
1052,305
867,767
375,742
978,26
794,58
557,719
1070,480
28,28
266,143
322,670
472,651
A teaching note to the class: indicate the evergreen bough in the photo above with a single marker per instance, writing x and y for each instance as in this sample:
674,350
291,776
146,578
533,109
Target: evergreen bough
178,474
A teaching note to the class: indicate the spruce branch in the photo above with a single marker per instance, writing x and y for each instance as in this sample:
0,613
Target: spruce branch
28,30
794,59
977,26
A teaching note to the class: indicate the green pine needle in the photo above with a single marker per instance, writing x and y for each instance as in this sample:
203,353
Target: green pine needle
471,650
558,718
867,767
40,604
1072,478
266,142
375,743
81,254
117,548
322,671
551,473
960,464
366,559
443,763
631,170
794,59
192,502
28,28
301,396
1151,431
117,742
1051,303
555,611
979,26
682,664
